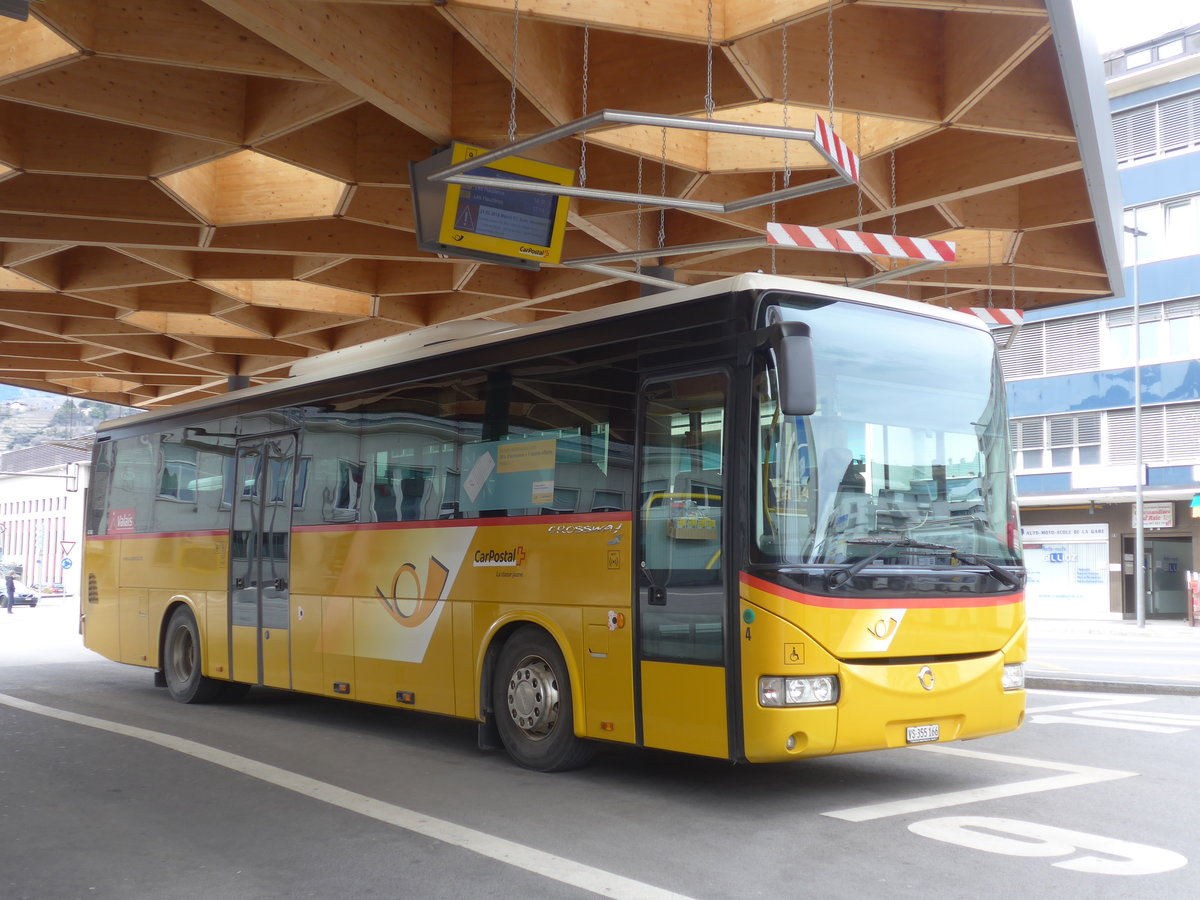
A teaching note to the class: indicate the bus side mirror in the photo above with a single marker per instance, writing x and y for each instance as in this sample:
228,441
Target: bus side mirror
791,343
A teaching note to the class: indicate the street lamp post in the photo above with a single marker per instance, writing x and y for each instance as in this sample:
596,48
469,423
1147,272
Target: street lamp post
1139,526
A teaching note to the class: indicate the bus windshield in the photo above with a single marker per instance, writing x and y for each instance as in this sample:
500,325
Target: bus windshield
908,444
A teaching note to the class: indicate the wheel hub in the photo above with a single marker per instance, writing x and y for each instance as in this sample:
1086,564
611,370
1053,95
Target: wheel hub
533,697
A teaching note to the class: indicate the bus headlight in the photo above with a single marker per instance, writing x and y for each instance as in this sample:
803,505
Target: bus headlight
1013,678
809,690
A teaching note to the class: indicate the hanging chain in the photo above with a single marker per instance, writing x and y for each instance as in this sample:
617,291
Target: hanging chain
638,261
662,190
773,219
787,168
512,97
1012,281
708,95
892,155
858,147
583,105
830,51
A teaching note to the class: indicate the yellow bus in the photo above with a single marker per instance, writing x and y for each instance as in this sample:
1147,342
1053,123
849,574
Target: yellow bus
758,520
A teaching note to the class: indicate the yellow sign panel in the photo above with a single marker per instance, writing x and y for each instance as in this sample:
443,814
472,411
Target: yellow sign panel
507,223
525,456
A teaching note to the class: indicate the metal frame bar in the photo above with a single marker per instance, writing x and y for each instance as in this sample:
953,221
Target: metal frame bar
678,250
628,276
889,274
457,174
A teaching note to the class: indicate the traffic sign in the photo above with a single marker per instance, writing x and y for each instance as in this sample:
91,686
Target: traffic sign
66,564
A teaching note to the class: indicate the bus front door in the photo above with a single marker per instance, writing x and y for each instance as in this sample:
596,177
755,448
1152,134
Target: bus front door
260,561
682,591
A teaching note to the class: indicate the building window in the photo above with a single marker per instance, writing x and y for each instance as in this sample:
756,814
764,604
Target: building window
1169,126
1075,440
1171,229
1028,437
1168,331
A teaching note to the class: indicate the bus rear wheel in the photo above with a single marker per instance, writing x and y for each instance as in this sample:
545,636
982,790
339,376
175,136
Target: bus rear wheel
532,703
181,661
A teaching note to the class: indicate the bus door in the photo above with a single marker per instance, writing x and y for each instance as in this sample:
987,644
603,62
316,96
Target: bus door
260,560
681,587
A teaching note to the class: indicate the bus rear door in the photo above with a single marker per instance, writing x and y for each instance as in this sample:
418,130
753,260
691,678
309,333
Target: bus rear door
260,560
681,584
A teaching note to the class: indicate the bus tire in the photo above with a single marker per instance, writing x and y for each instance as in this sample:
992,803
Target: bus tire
181,661
531,693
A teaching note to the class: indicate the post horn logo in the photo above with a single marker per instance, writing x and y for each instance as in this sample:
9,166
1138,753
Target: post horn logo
413,606
925,677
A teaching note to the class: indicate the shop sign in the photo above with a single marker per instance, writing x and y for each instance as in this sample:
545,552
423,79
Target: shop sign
1156,515
1041,534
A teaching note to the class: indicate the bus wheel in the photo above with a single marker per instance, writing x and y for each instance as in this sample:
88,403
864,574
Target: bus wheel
532,700
181,661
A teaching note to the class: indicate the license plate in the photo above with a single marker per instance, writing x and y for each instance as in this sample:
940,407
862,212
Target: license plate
921,734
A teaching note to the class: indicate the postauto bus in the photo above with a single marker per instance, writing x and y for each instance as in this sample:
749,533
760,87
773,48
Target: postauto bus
758,520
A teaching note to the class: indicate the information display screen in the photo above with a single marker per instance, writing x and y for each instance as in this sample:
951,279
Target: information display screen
511,215
505,223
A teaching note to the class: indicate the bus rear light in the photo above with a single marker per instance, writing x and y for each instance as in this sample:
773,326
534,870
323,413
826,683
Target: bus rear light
1013,677
809,690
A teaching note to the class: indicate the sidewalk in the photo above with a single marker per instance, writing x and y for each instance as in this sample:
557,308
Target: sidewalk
1114,655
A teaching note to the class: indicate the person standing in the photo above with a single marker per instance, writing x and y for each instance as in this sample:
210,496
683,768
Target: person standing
10,590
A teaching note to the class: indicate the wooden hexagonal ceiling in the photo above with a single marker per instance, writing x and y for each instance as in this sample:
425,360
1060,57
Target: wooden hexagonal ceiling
194,190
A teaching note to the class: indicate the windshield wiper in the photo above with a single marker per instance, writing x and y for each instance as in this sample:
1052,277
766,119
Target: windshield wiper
841,576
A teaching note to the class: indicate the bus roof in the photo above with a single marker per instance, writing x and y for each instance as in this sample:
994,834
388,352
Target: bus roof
436,340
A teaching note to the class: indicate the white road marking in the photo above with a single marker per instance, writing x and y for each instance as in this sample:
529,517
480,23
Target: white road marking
1075,776
557,868
1037,840
1088,704
1101,723
1142,715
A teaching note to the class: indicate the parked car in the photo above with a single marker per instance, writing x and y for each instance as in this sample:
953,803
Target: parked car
23,595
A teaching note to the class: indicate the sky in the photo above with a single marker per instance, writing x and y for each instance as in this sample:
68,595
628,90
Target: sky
1122,23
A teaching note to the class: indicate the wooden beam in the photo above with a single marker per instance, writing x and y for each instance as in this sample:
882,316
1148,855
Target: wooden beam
887,62
58,229
54,304
28,46
326,146
296,295
94,268
184,32
1060,200
278,108
111,199
404,310
388,206
166,98
671,18
981,51
548,63
1071,248
332,236
400,278
1030,100
357,46
954,164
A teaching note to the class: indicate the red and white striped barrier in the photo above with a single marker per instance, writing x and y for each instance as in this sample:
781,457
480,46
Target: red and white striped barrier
837,240
836,149
1014,317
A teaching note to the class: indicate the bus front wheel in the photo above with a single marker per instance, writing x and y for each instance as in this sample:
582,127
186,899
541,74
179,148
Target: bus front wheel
532,702
181,661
